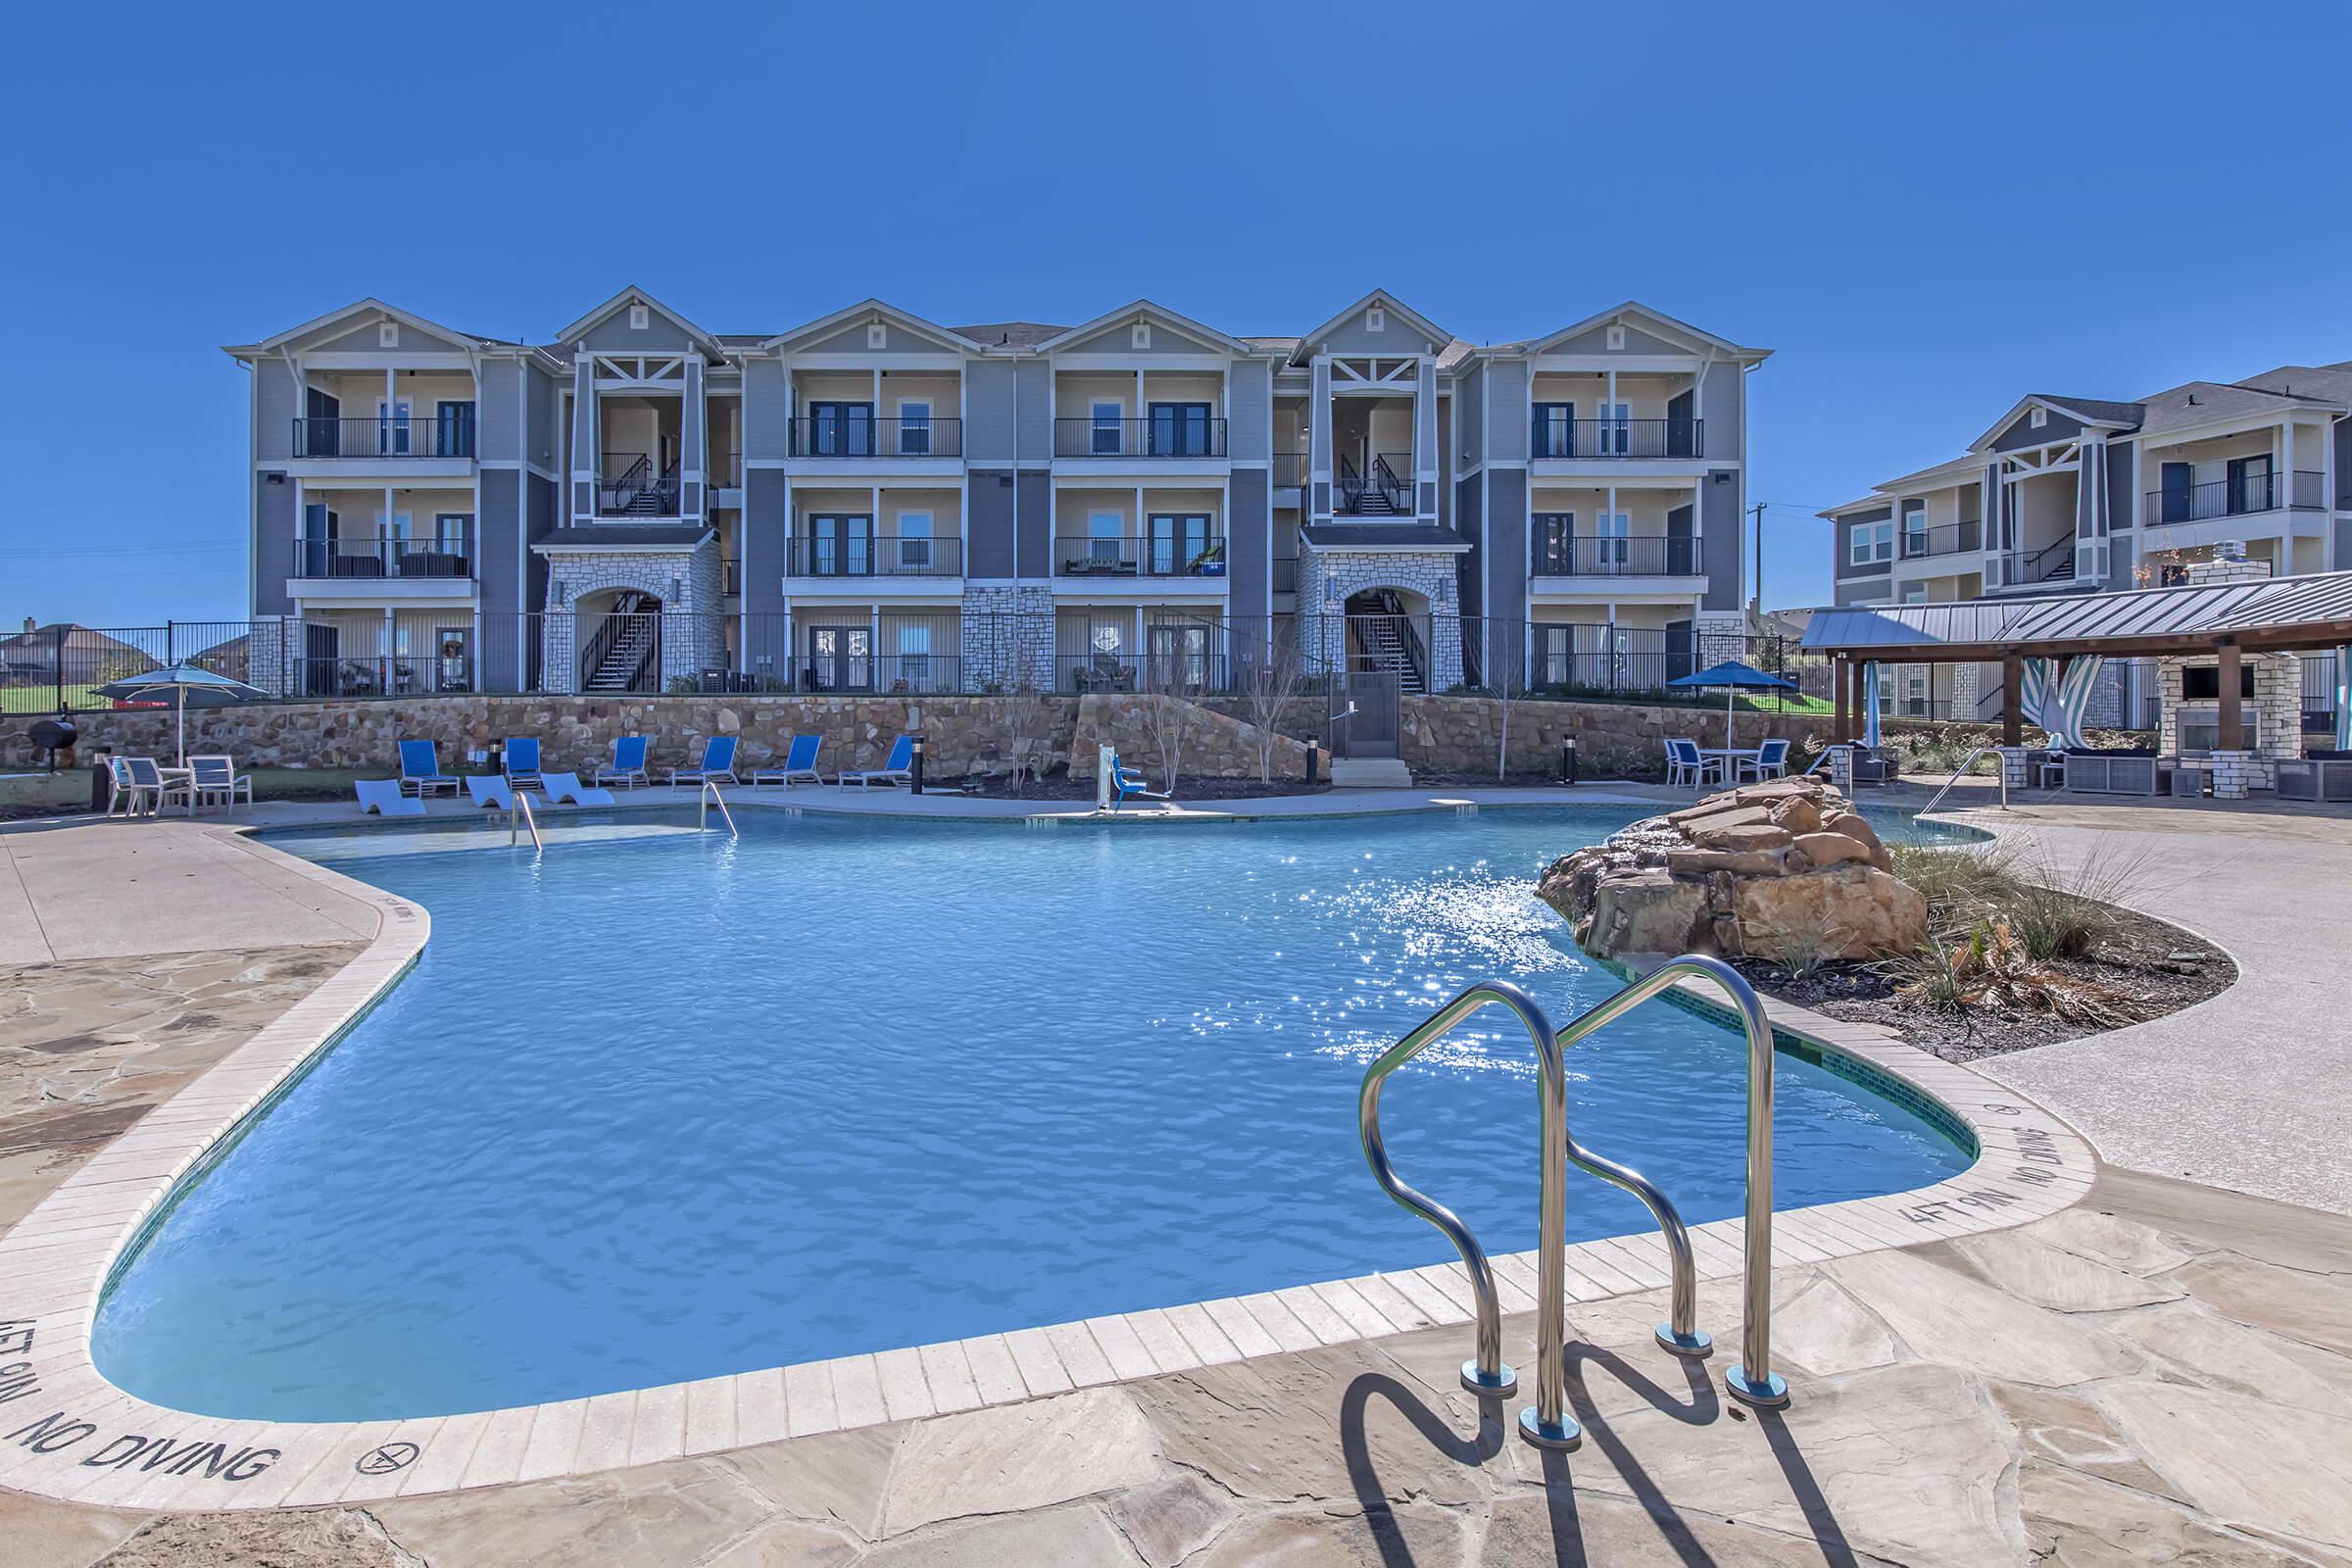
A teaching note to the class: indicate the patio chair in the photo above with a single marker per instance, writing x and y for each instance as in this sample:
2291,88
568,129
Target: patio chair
799,762
718,761
521,762
628,766
1687,768
1770,761
562,787
488,791
386,797
897,768
1126,781
140,790
216,777
420,770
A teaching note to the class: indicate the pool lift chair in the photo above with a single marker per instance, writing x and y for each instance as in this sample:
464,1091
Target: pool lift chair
1547,1423
1122,781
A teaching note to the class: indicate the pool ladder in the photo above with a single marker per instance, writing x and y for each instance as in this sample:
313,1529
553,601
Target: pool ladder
520,816
1547,1423
2001,772
710,793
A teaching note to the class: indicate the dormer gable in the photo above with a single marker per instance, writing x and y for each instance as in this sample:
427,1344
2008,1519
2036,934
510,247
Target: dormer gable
633,322
1379,324
1632,329
1143,328
370,327
870,326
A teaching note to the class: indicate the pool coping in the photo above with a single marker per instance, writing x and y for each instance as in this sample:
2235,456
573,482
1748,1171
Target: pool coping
67,1433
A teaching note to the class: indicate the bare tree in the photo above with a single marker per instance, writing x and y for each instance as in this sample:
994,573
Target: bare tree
1029,719
1272,677
1168,712
1506,678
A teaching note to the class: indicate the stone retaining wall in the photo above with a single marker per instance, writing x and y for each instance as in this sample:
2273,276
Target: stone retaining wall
1214,744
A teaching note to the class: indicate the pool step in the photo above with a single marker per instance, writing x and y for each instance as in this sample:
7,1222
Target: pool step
1370,773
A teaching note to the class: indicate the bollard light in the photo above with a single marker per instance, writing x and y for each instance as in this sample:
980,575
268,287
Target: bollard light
914,775
1568,760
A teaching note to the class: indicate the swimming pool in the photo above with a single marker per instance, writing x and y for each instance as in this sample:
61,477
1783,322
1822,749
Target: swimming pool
668,1104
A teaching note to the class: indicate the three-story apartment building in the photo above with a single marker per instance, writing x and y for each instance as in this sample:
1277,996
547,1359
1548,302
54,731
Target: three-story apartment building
872,501
2088,495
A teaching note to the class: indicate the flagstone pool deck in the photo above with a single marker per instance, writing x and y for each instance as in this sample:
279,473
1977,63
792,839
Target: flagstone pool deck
2150,1370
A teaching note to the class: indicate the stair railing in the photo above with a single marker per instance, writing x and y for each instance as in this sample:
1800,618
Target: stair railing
1351,486
1967,765
1400,494
520,815
710,795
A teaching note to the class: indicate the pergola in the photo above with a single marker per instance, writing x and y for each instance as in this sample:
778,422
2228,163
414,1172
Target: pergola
2223,619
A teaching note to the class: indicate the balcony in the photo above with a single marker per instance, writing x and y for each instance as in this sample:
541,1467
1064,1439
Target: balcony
1286,575
1945,539
726,471
1565,555
1561,437
1289,469
2233,497
383,555
630,488
1164,556
833,555
1174,433
1195,671
388,436
858,434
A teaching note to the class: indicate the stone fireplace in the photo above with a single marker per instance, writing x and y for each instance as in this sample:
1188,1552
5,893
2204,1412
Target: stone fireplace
2269,700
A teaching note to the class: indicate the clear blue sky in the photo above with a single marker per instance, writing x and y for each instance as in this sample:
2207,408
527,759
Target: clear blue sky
1926,209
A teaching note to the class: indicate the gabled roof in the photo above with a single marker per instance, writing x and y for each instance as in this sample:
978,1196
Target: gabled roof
2097,413
2199,403
369,306
633,295
1672,324
1141,308
946,337
1010,335
1387,302
2324,383
2277,610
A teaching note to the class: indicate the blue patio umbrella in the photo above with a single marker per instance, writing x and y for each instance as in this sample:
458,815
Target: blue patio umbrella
1734,677
188,683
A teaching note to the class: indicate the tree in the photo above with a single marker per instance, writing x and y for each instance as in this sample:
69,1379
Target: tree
1168,712
1506,678
1029,719
1272,679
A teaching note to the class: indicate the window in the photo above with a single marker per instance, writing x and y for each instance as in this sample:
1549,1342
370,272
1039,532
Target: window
877,336
387,335
1613,548
1105,536
914,541
448,559
1180,430
1616,429
1872,542
1915,528
1554,432
453,429
640,318
1915,593
914,655
392,428
1139,336
914,427
1109,424
1376,319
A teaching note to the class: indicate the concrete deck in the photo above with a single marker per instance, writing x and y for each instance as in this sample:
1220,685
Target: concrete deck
2158,1373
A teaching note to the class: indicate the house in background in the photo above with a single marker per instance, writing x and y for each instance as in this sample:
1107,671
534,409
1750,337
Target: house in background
37,652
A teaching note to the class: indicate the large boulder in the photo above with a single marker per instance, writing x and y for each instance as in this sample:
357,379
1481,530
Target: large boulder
1785,870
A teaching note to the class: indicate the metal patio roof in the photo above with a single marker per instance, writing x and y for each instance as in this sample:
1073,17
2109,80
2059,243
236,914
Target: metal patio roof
2278,611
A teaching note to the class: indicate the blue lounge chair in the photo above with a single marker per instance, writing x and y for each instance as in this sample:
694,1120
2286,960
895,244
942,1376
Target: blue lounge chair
1770,761
718,761
384,797
1126,781
522,762
897,768
799,762
562,787
488,791
628,766
420,770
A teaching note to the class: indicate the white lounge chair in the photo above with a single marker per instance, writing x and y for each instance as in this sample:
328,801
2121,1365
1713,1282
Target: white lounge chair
488,791
718,761
384,797
628,766
799,762
897,768
562,787
217,778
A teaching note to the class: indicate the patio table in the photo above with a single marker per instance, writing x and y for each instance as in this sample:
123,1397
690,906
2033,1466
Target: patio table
1725,756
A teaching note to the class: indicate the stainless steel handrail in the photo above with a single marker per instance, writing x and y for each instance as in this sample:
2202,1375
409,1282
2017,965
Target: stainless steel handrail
2000,772
1485,1372
520,809
710,793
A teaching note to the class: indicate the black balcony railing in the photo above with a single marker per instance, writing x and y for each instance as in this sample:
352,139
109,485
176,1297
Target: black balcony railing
630,488
1163,555
384,555
1563,437
875,555
1193,669
856,434
1289,469
1945,539
1559,553
1286,575
1176,435
418,435
2232,498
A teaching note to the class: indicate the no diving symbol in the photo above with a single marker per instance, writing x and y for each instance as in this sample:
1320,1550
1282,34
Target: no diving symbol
2001,1109
388,1458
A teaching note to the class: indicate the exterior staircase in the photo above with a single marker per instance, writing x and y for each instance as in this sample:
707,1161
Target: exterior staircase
1370,773
623,648
1384,653
1374,503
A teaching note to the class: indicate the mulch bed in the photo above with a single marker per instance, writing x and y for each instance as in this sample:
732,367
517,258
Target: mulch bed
2135,960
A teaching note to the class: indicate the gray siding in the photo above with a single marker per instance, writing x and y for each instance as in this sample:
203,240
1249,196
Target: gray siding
896,339
614,335
345,339
987,524
1507,419
498,525
1718,402
1469,412
543,440
1636,341
1248,522
278,402
1033,551
1861,589
766,529
988,388
1165,339
539,517
498,412
766,410
2122,480
2023,434
1845,546
1506,538
275,525
1466,496
1036,410
1351,336
1721,556
1250,411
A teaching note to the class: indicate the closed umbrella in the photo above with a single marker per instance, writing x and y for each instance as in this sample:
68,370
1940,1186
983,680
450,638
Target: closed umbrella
1734,677
189,684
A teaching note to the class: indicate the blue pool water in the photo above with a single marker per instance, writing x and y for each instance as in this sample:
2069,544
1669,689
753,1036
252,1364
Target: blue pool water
669,1104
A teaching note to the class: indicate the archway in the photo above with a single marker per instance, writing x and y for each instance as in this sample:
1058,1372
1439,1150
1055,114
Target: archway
616,640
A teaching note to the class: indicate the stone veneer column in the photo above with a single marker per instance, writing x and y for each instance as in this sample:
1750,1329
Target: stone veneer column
1328,577
1722,634
1006,636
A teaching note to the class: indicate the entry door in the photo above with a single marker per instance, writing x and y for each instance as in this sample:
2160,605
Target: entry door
2250,484
392,427
1616,429
323,435
1555,430
321,652
1180,430
321,527
841,430
2179,487
841,659
453,429
1177,541
453,664
1179,658
841,545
